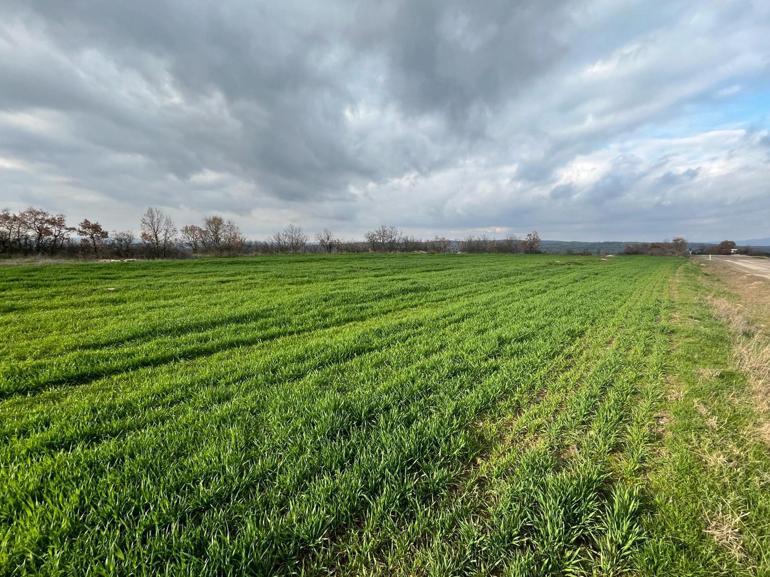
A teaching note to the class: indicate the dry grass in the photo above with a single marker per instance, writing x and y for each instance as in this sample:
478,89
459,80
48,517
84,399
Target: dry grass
754,358
708,374
753,293
708,417
733,315
724,526
751,346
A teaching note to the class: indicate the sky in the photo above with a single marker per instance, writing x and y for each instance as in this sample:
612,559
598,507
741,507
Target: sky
583,120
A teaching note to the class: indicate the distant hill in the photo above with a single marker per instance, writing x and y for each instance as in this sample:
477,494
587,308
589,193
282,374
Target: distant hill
754,242
760,244
617,247
580,247
749,242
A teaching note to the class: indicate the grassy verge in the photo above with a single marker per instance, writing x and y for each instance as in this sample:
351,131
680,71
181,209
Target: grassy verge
709,484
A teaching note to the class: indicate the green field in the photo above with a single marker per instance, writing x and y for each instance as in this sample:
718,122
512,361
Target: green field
374,414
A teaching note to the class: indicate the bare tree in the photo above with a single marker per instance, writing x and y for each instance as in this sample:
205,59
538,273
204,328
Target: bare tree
13,232
33,229
158,231
20,233
291,239
277,243
122,243
296,239
221,235
532,242
680,246
383,238
93,234
193,236
328,242
59,232
232,239
213,227
7,228
37,224
216,236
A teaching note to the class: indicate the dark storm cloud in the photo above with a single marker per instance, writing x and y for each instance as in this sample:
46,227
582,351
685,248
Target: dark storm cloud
463,58
228,88
445,116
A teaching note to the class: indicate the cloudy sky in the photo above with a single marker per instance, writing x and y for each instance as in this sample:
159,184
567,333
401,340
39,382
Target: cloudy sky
586,120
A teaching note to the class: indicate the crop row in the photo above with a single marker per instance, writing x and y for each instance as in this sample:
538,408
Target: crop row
395,415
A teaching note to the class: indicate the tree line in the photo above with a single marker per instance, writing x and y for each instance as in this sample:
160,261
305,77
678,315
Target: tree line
727,247
676,247
680,247
529,244
37,232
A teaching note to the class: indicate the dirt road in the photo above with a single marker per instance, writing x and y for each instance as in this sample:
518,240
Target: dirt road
756,266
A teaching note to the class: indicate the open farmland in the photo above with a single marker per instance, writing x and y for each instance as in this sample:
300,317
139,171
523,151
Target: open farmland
392,415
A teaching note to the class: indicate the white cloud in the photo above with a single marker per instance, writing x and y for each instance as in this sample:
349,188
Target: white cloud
435,116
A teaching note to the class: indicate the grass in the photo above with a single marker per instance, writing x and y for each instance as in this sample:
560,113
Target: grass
710,480
374,415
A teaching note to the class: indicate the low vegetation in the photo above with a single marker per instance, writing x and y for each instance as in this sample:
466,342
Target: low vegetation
677,247
374,415
36,232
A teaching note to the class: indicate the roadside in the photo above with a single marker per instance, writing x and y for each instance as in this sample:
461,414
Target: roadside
739,265
710,481
741,277
742,302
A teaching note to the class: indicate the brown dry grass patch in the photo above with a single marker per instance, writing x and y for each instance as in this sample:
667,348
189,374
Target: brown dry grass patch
748,319
724,526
